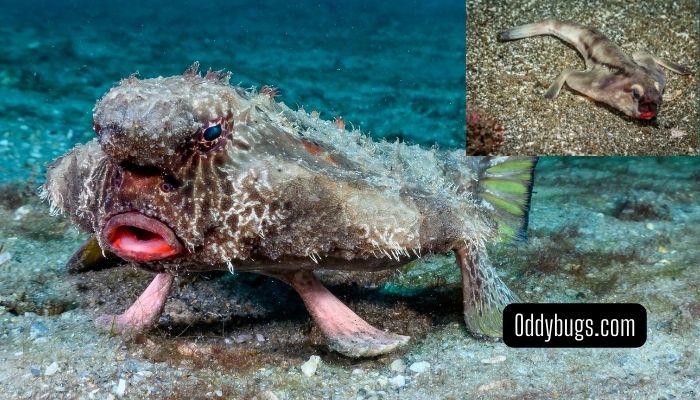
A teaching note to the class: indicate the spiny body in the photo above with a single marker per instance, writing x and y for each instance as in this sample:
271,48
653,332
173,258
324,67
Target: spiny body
189,173
632,85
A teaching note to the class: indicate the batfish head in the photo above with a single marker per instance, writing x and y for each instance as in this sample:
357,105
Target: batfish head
646,98
158,122
642,95
638,94
165,188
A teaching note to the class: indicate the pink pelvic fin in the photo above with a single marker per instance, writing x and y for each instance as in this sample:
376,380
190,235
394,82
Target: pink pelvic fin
345,331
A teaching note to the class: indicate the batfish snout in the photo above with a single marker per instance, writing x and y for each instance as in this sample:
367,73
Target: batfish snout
647,110
136,237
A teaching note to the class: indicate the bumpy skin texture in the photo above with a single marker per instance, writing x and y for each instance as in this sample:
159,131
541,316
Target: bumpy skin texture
279,190
190,174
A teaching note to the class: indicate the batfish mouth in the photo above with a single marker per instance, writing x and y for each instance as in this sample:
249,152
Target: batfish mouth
647,115
647,110
136,237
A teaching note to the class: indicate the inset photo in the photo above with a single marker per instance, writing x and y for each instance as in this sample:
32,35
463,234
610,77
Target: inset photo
582,77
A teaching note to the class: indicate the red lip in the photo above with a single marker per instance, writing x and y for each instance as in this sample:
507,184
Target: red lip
647,115
136,237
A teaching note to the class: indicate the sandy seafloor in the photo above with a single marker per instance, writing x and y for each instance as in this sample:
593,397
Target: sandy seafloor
601,230
507,80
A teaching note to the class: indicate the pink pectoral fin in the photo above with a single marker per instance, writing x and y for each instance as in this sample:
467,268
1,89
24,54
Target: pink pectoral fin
144,313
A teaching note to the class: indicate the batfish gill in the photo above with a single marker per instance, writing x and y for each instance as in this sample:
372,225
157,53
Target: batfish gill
188,173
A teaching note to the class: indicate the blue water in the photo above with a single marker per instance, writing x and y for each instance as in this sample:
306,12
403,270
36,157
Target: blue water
395,69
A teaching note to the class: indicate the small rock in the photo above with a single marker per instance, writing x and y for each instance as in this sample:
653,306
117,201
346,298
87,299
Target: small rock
21,212
36,371
677,133
145,374
493,360
500,384
121,388
186,349
382,381
309,367
397,381
398,365
243,338
365,393
131,366
260,338
219,393
51,369
420,367
358,371
466,354
5,257
266,395
37,329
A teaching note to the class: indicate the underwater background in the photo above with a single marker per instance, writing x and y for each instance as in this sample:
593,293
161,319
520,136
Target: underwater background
601,229
394,69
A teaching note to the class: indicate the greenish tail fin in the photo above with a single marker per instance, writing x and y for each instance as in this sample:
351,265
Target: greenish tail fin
505,187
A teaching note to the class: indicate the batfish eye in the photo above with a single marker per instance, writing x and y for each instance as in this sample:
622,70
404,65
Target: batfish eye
635,93
212,133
